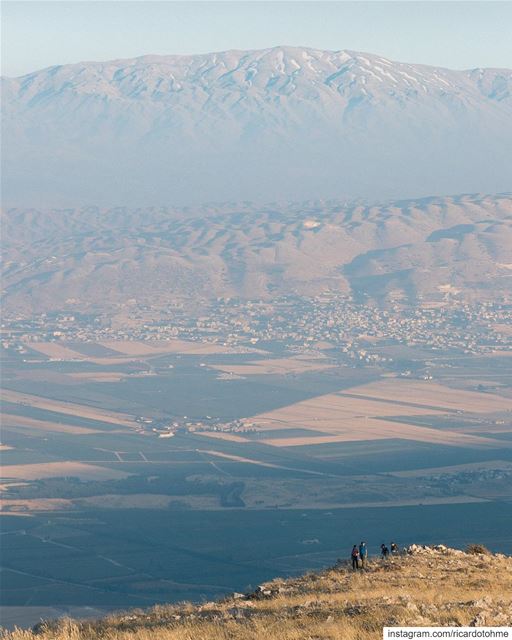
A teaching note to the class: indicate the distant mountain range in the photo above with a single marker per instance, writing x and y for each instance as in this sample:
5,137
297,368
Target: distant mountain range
90,258
288,122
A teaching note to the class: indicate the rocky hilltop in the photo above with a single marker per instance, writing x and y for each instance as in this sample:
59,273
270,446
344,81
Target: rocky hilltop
423,586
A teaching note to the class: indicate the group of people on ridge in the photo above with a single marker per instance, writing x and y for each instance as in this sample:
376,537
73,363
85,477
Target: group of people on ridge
360,553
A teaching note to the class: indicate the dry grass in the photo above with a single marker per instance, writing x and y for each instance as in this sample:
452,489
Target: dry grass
432,394
360,428
10,420
56,350
426,588
15,506
61,469
135,348
99,376
334,407
222,435
477,549
275,366
68,408
345,418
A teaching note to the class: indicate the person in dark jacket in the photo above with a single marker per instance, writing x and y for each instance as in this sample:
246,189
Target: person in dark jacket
384,551
394,548
363,554
355,557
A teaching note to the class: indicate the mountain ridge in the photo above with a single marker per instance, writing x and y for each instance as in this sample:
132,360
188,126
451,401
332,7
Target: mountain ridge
157,57
280,122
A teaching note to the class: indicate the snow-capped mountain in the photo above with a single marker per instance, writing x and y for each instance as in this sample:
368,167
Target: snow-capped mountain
284,122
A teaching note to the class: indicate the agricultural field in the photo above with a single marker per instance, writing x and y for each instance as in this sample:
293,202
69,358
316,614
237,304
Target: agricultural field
293,457
276,366
366,413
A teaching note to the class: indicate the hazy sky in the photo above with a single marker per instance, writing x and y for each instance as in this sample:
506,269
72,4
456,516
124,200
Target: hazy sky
461,34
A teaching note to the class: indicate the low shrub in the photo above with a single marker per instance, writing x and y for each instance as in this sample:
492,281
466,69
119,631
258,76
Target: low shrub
478,549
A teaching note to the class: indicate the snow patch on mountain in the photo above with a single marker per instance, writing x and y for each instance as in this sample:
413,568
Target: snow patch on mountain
284,122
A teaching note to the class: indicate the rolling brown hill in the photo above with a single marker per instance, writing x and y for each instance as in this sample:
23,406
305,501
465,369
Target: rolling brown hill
90,258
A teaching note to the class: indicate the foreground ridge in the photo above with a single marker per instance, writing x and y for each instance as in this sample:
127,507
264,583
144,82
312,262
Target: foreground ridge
422,586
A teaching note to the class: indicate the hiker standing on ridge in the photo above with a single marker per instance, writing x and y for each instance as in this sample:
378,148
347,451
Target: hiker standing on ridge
355,557
363,554
384,551
394,548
